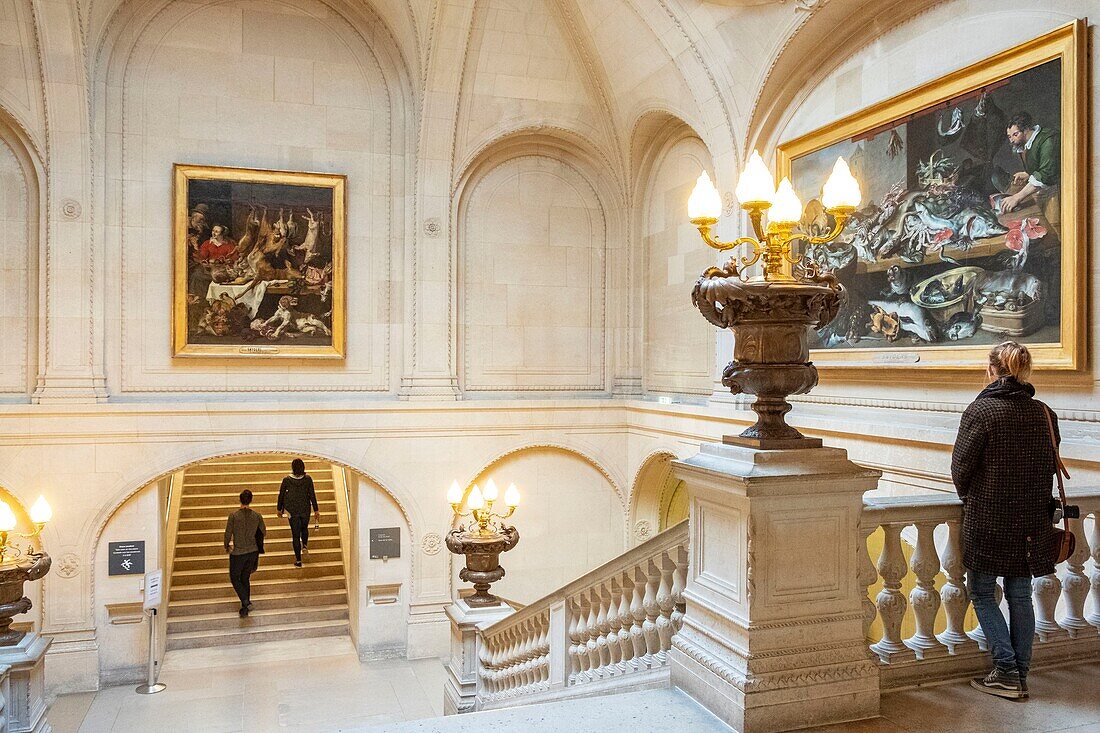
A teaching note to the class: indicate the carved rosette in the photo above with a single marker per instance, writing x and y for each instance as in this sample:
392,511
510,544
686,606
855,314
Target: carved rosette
771,357
482,560
12,600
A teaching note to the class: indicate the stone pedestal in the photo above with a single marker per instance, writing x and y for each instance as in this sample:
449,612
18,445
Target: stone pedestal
460,689
772,637
26,706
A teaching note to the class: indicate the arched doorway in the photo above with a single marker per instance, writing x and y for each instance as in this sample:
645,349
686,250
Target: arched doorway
289,601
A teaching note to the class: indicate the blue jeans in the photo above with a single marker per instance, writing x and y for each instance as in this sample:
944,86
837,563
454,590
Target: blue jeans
1009,644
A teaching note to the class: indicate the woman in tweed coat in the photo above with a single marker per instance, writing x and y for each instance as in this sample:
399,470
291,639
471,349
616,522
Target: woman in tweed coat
1002,467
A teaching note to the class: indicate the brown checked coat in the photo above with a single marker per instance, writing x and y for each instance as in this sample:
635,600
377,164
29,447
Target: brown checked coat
1003,470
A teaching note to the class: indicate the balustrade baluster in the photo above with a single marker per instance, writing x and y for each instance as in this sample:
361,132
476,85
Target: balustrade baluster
866,577
1075,584
581,675
626,646
618,664
594,665
891,601
652,611
604,626
637,612
924,599
953,594
665,566
1046,590
679,582
1094,542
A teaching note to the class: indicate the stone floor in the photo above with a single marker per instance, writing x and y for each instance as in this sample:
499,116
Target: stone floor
319,685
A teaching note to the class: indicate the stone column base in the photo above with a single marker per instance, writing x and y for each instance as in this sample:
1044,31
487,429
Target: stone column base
26,708
460,689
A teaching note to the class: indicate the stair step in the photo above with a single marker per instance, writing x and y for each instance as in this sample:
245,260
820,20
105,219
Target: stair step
264,596
313,468
260,615
220,637
225,483
215,548
265,508
272,557
233,497
282,571
190,528
219,588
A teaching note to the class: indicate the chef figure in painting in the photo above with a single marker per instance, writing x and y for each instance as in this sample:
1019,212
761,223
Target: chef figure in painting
1039,150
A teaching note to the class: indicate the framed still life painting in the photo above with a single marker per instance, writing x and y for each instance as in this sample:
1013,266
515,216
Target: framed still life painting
259,263
972,225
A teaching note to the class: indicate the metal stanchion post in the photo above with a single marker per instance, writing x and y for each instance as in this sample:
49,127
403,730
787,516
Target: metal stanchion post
152,686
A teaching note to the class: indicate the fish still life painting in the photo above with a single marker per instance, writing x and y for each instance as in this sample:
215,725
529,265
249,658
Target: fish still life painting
969,232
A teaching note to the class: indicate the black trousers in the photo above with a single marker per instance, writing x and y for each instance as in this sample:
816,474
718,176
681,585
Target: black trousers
241,568
299,533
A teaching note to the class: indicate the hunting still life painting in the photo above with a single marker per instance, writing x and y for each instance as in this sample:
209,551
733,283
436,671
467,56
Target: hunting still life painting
259,263
971,229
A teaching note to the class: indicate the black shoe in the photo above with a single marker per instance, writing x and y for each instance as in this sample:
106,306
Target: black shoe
297,563
1001,684
1023,689
243,612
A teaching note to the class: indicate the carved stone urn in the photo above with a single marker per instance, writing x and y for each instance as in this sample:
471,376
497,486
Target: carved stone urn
482,551
771,358
12,601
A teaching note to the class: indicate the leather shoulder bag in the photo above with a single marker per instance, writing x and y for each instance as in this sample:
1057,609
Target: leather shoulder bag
1066,542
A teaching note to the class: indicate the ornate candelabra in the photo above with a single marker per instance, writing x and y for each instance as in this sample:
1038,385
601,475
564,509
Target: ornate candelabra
15,571
770,311
483,539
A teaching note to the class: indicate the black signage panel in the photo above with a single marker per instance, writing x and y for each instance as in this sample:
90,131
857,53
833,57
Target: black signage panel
385,542
126,558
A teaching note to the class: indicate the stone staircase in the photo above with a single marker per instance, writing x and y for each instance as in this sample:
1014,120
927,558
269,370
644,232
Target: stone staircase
288,602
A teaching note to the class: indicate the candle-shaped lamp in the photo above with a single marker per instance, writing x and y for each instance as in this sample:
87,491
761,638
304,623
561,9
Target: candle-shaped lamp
41,513
755,186
786,208
511,496
705,202
841,191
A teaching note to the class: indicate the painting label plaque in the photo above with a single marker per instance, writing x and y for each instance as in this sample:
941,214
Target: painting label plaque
126,558
971,230
385,542
259,263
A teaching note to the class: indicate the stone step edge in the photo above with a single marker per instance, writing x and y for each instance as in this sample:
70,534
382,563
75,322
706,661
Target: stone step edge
214,633
227,615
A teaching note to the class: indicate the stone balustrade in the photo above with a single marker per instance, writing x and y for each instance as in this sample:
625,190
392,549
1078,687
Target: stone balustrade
1067,624
611,628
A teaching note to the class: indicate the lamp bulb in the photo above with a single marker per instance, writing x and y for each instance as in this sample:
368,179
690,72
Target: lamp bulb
7,517
842,188
511,496
786,208
755,185
490,493
475,500
705,202
454,494
41,511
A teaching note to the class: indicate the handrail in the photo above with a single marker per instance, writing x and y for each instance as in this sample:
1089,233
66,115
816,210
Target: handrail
675,535
881,510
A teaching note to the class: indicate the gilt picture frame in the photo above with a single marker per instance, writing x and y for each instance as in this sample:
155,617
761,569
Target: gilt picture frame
959,243
259,263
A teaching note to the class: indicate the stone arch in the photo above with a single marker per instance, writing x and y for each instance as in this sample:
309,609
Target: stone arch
678,348
653,493
581,453
128,487
580,522
20,155
837,31
574,168
371,134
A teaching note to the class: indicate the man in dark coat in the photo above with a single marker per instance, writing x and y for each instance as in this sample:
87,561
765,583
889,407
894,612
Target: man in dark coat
1002,467
296,497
